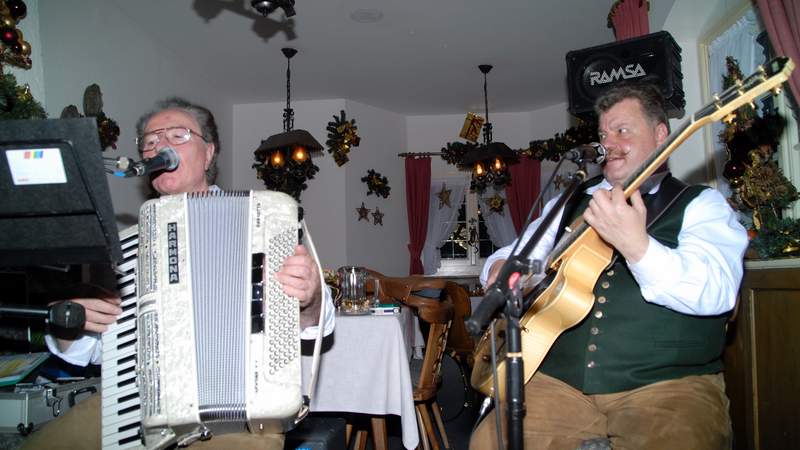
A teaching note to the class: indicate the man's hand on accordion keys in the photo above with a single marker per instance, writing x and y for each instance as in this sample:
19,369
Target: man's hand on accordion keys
299,277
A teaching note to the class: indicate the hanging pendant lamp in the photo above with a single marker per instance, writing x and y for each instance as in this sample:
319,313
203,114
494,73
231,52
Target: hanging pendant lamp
283,160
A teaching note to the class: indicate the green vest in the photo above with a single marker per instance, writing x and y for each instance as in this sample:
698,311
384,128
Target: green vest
625,342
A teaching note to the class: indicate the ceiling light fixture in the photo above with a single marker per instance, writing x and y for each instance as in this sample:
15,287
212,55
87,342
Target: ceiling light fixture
266,7
489,162
283,160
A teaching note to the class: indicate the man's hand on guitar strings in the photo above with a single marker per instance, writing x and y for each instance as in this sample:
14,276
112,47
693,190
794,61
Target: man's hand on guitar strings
620,224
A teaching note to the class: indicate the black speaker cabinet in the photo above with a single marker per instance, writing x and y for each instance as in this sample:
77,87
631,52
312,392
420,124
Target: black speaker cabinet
654,57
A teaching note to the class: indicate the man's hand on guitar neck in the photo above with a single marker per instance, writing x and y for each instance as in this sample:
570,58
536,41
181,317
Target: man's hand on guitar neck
620,224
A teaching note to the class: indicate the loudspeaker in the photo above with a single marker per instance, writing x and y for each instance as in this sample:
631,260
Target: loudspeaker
654,57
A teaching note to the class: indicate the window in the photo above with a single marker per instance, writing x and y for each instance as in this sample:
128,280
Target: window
466,249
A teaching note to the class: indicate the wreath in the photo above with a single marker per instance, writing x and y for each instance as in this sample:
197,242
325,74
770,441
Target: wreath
342,135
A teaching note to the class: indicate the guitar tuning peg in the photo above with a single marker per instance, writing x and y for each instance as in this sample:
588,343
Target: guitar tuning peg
752,105
777,90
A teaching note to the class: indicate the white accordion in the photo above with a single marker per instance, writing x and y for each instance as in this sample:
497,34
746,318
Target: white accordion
208,343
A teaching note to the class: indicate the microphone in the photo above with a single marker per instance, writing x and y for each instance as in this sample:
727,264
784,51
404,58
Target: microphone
67,314
593,153
166,159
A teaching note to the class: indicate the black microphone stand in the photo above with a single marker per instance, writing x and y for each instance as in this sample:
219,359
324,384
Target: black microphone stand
506,290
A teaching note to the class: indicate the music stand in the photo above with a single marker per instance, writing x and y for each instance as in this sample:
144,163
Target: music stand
56,207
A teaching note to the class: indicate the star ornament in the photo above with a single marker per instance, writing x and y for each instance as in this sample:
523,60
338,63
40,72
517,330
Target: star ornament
495,203
377,217
363,213
444,197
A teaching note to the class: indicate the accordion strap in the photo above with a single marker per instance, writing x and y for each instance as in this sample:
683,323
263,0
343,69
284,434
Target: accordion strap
312,381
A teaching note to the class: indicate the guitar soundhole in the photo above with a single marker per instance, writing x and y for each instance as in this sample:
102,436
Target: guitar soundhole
501,334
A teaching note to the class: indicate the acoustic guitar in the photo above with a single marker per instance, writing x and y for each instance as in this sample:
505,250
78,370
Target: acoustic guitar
565,296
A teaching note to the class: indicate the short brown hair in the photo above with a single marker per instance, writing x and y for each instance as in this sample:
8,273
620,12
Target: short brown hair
649,96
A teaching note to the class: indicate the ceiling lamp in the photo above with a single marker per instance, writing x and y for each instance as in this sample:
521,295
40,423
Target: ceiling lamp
488,161
283,160
265,7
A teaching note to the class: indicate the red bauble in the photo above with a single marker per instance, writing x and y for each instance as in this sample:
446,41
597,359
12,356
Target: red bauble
17,9
8,36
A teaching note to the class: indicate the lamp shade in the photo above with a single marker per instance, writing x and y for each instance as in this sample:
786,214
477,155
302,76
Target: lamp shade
291,139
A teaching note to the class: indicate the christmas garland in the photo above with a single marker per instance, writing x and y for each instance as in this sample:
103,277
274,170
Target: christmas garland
16,102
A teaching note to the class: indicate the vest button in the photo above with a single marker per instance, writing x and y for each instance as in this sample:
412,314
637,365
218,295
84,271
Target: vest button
592,347
601,299
598,314
590,364
594,330
605,284
610,273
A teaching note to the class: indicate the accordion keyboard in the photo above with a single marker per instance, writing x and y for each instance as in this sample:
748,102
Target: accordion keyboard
121,417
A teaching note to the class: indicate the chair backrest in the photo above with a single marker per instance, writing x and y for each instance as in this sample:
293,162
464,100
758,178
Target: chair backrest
436,312
459,342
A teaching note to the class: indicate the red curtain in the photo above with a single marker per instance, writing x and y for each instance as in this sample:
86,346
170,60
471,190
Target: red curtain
523,190
782,20
629,19
418,193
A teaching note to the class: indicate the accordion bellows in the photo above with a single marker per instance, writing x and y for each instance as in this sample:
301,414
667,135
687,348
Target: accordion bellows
218,347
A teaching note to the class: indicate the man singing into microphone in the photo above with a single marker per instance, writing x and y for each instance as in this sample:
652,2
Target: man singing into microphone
643,368
192,132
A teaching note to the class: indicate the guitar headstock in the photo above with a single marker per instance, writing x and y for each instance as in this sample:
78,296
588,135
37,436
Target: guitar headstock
768,77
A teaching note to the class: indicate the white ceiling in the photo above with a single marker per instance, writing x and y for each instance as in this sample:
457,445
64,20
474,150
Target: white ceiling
420,58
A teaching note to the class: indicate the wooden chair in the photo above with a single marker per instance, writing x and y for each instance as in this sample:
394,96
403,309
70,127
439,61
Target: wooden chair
437,313
460,345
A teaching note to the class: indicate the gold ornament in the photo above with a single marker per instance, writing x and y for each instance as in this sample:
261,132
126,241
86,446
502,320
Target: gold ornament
472,127
24,93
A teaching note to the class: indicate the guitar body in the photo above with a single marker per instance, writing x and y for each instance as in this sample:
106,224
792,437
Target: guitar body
564,303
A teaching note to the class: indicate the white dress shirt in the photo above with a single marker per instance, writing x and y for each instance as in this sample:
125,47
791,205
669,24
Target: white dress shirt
699,277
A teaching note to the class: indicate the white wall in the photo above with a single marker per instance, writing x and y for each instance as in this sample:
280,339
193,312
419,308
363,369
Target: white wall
383,136
92,41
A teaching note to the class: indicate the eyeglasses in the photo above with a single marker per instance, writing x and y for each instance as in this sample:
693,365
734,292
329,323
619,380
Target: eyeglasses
174,135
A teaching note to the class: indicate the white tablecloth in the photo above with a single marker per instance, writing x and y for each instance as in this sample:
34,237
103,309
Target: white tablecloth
366,370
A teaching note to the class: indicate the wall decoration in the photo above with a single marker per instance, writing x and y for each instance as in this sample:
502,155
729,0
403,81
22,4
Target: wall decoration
342,135
495,203
283,160
363,213
444,197
107,128
14,49
377,184
377,217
